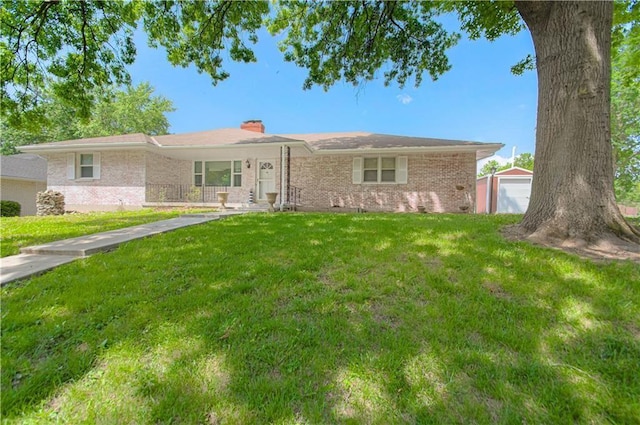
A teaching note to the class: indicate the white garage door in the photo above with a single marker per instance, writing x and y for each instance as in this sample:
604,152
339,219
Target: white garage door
513,195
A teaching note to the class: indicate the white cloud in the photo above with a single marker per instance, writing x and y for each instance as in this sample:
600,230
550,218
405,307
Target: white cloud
404,98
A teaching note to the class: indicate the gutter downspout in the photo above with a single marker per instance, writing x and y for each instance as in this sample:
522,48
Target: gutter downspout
282,176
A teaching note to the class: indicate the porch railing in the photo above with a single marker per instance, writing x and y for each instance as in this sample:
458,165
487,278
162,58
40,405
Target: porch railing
293,196
182,193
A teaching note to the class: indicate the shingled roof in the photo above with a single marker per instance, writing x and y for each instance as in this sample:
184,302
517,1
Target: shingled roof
23,167
363,140
224,136
317,142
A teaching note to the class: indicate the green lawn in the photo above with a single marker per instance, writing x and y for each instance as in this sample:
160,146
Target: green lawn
19,232
325,318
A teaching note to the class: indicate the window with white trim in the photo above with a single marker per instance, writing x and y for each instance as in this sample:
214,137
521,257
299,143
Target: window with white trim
85,165
217,173
380,169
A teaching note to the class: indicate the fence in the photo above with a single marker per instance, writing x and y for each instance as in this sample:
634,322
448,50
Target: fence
293,196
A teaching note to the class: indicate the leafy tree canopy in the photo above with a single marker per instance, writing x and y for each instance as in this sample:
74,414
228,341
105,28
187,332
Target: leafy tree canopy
75,47
631,197
131,110
335,40
625,100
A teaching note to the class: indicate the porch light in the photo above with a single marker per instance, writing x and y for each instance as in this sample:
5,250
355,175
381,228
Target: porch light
247,163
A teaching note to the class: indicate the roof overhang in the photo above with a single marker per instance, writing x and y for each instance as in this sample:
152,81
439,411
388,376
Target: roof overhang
146,146
24,179
86,147
482,151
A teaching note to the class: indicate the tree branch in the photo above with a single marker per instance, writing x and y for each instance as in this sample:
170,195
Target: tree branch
84,37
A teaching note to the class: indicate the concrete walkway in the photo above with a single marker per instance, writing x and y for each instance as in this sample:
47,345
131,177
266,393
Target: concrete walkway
38,259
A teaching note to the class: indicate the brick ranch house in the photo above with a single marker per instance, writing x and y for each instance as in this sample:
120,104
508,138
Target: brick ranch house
375,172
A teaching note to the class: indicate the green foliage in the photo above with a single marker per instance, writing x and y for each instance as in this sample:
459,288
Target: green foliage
77,47
332,319
351,41
524,160
526,64
483,19
626,39
73,47
10,209
11,138
629,196
625,100
196,32
132,110
491,165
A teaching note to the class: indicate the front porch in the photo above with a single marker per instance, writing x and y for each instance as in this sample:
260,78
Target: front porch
177,195
186,193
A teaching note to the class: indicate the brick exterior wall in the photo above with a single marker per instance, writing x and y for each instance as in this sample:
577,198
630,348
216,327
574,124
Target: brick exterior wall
121,183
439,182
163,170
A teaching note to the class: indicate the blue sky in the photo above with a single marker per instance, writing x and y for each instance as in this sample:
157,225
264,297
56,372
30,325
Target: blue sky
478,99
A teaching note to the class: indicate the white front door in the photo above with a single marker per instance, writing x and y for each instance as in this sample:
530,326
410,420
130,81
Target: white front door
266,178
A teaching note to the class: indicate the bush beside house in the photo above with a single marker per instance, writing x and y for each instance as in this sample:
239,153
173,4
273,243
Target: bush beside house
10,209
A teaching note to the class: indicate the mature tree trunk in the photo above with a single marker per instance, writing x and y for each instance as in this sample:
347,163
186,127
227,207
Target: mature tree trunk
572,197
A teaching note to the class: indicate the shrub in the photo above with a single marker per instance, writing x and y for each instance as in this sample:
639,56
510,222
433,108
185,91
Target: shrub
9,209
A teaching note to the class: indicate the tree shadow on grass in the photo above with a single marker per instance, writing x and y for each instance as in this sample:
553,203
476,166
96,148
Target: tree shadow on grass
326,319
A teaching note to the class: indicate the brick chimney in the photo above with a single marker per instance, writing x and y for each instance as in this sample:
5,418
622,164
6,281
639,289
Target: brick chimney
253,125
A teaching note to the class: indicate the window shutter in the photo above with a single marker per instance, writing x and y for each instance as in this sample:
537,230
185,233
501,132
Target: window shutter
402,169
71,166
96,165
357,170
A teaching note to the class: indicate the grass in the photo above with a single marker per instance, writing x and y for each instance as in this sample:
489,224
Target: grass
19,232
325,318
